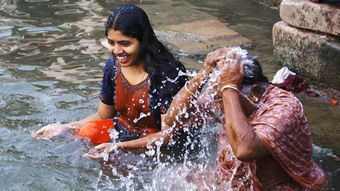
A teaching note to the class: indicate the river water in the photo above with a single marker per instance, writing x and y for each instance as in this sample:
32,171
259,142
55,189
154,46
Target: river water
51,60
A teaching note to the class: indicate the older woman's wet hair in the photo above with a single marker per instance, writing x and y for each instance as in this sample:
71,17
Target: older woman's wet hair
253,73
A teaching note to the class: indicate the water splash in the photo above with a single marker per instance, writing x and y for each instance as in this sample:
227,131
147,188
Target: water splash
194,156
141,115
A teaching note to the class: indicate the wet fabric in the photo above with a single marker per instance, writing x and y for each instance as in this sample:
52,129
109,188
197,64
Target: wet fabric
282,128
141,105
288,80
132,103
233,174
98,131
295,83
281,125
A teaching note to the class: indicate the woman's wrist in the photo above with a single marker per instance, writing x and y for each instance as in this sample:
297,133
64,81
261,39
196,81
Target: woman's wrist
119,145
73,125
200,77
202,74
230,87
192,85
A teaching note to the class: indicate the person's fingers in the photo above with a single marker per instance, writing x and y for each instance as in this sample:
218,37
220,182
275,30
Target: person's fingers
243,65
222,63
44,138
33,134
218,59
103,146
36,134
231,54
40,131
236,59
100,147
92,156
223,51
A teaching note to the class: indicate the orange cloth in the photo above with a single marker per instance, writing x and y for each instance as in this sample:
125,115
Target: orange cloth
132,103
96,131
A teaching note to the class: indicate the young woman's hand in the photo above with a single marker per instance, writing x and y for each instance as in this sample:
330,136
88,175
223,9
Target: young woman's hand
100,151
232,70
49,131
211,59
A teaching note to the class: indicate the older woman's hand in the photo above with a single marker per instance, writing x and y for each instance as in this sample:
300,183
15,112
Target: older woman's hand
232,70
211,59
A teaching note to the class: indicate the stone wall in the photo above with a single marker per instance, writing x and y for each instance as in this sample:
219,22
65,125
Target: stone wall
313,16
307,41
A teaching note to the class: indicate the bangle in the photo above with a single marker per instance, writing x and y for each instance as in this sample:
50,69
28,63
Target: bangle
187,89
119,145
230,86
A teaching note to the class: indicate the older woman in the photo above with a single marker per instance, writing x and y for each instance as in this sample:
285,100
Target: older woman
265,128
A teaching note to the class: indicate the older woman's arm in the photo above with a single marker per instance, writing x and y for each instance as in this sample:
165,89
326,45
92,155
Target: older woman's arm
241,136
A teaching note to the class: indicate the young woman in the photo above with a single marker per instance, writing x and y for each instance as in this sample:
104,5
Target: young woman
140,79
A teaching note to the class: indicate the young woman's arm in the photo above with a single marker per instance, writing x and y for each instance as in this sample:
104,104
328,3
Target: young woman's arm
172,118
103,112
105,108
49,131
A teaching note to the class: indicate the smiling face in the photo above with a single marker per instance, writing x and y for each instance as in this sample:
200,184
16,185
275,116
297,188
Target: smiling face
126,49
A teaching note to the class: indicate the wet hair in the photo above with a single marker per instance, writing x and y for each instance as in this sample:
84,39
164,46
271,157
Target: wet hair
132,21
253,73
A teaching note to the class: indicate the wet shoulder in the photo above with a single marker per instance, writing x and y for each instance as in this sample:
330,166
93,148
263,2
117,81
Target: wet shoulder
277,96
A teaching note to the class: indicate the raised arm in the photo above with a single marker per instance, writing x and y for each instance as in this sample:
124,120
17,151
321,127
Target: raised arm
241,136
172,119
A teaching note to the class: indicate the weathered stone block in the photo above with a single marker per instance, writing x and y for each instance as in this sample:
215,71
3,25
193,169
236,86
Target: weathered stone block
313,16
309,54
200,37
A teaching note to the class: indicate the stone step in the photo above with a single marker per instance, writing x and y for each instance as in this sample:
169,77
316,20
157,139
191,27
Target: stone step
313,16
310,54
200,37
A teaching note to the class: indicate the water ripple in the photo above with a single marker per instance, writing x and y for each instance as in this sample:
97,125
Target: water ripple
40,29
69,12
5,31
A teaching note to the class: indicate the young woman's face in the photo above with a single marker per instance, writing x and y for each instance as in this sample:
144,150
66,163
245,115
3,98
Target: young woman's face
126,49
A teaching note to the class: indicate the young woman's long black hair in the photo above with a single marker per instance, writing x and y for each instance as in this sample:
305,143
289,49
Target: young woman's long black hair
132,21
